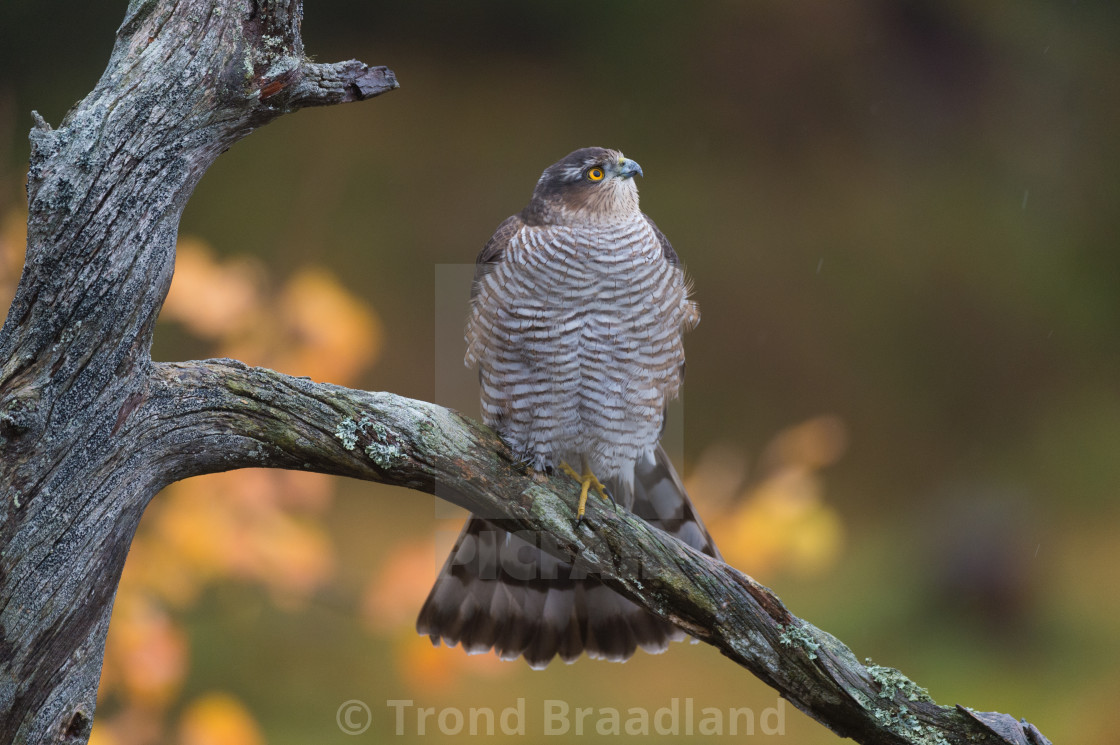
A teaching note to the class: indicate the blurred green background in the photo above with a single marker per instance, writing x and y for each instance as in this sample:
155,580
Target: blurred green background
904,216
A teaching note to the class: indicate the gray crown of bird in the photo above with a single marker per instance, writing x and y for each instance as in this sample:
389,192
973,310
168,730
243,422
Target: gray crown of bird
578,307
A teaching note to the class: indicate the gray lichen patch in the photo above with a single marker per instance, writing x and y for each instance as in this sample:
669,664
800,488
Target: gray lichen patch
384,454
794,635
347,433
280,66
382,448
901,720
904,724
891,681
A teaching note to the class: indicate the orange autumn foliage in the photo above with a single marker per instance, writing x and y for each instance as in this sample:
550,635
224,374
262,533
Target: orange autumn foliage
218,719
779,521
13,245
214,299
254,526
425,668
391,600
149,652
400,587
309,326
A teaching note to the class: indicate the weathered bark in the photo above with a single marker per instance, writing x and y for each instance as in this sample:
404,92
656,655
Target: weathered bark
91,428
185,81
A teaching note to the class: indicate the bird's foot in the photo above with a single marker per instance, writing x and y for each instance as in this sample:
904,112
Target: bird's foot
587,481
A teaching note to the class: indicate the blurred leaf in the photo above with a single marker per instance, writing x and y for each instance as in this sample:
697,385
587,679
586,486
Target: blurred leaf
218,719
400,586
813,444
337,333
13,244
717,478
780,522
312,326
133,725
234,525
146,656
426,668
213,299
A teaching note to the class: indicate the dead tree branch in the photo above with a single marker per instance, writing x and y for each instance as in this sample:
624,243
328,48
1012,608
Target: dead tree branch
91,429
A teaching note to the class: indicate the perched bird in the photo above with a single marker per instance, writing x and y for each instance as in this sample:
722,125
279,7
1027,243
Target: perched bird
577,310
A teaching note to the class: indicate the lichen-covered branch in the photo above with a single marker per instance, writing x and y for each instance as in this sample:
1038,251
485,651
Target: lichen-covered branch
227,415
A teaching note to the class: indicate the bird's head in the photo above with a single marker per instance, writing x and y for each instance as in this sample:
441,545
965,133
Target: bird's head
592,184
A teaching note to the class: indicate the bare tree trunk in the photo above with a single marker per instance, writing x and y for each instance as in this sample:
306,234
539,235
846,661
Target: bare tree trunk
91,428
84,448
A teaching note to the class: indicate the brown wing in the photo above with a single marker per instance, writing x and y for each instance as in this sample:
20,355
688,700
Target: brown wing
667,251
493,252
670,256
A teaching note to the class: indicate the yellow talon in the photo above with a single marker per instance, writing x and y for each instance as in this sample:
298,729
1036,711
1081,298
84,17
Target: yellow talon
587,481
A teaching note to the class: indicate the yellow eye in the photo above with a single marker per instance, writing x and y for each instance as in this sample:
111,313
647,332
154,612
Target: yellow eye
595,174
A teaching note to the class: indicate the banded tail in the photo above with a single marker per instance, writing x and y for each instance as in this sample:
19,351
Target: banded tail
498,591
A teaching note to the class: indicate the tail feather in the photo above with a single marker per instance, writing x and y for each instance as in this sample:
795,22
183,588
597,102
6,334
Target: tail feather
498,591
660,499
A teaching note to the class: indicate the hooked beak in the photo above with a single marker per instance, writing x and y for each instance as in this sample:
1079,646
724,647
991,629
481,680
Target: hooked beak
629,168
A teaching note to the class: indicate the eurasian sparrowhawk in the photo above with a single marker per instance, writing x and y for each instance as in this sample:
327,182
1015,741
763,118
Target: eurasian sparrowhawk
577,310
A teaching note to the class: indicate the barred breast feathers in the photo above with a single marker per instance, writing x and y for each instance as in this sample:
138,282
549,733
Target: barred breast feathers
577,336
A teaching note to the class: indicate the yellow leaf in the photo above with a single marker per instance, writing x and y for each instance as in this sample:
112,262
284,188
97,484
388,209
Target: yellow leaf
394,595
426,667
218,719
782,523
13,244
331,335
813,444
146,655
101,736
212,299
